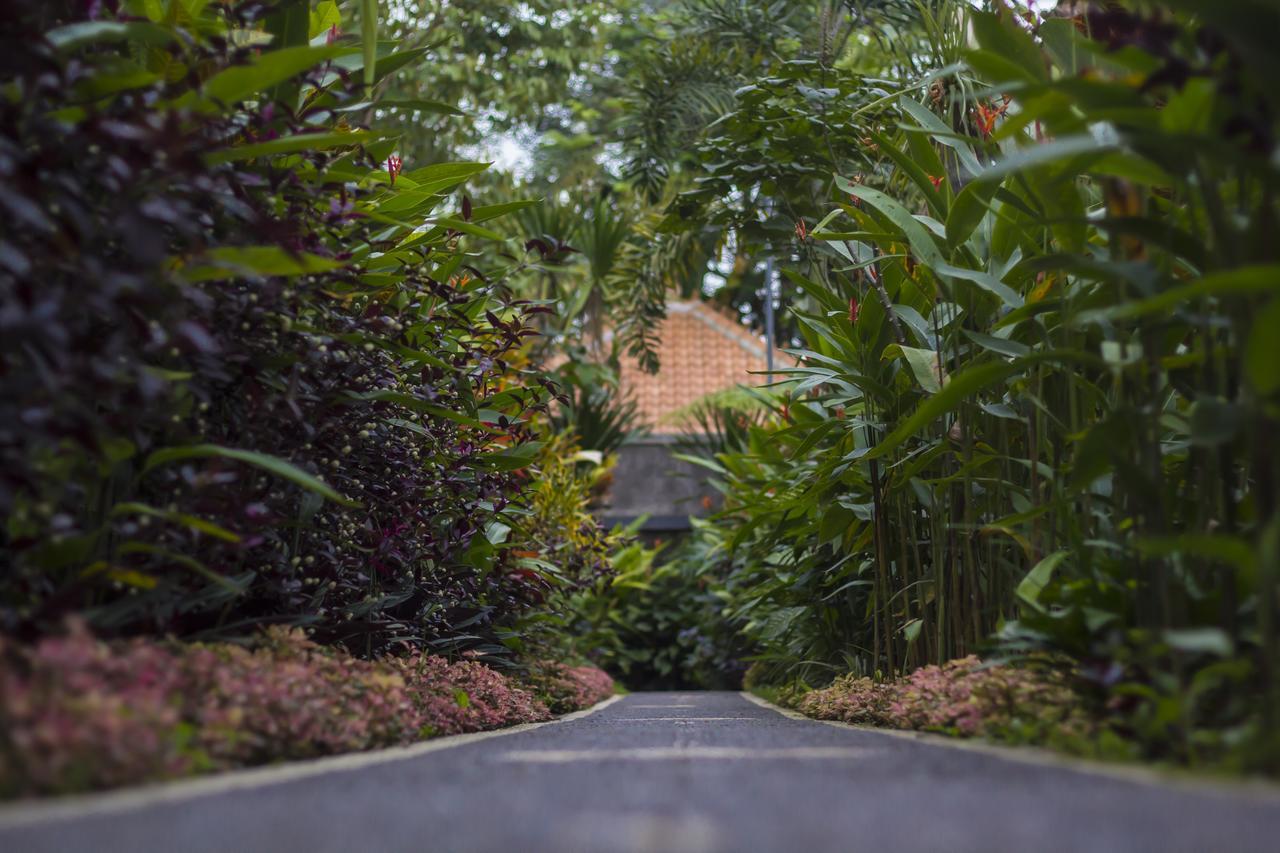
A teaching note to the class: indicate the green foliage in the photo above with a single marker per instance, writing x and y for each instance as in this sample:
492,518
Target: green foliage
248,380
658,625
1034,394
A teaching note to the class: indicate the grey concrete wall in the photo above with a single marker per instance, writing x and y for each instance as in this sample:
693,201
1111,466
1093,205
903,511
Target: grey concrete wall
648,481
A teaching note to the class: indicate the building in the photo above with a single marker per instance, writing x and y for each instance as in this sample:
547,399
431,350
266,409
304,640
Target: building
702,350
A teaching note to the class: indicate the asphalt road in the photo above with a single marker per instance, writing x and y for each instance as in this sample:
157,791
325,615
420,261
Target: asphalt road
679,773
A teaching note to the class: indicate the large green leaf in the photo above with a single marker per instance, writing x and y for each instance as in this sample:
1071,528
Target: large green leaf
1242,281
292,145
968,209
913,231
1078,151
943,134
242,82
84,33
924,365
271,464
232,261
1262,351
1000,35
1032,586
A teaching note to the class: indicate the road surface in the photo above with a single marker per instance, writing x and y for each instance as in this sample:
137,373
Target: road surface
677,773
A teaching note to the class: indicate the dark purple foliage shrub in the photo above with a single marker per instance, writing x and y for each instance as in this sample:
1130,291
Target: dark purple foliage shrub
231,391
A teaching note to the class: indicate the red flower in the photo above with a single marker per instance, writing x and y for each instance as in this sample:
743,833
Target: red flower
333,35
802,233
394,164
986,119
937,181
853,309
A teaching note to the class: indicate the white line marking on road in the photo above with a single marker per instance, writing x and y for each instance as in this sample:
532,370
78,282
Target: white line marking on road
676,719
30,812
680,753
662,706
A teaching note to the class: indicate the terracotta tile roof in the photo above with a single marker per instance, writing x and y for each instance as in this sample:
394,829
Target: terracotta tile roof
702,350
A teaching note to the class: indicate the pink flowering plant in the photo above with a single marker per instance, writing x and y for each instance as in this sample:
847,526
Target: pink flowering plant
80,714
567,688
962,697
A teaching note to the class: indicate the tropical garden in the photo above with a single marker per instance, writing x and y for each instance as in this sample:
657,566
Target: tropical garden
308,409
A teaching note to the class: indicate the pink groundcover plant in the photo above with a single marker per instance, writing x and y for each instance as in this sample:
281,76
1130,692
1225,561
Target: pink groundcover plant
78,714
962,697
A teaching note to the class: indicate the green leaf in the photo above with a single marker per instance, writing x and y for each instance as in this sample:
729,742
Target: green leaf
1031,586
923,362
191,521
1262,350
919,237
271,464
968,209
234,261
1004,346
242,82
943,134
1000,35
83,33
516,457
1047,153
418,105
1218,547
935,198
962,385
984,280
1214,421
1242,281
439,176
466,228
182,560
324,17
291,145
1210,641
492,211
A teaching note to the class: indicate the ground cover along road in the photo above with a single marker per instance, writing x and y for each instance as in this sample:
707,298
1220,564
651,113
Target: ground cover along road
678,772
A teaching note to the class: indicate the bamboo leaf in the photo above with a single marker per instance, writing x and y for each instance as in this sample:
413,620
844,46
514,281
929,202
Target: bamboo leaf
1032,586
270,464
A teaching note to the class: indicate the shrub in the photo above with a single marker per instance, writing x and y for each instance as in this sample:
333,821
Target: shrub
568,688
962,697
246,378
77,713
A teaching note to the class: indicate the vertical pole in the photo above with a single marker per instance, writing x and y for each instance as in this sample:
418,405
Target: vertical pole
768,316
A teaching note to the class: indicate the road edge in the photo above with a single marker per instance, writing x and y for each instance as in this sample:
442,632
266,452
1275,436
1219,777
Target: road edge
26,813
1264,791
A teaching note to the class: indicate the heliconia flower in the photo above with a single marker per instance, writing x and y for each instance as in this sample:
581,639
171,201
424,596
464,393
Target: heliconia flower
394,165
802,233
937,181
986,119
853,309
